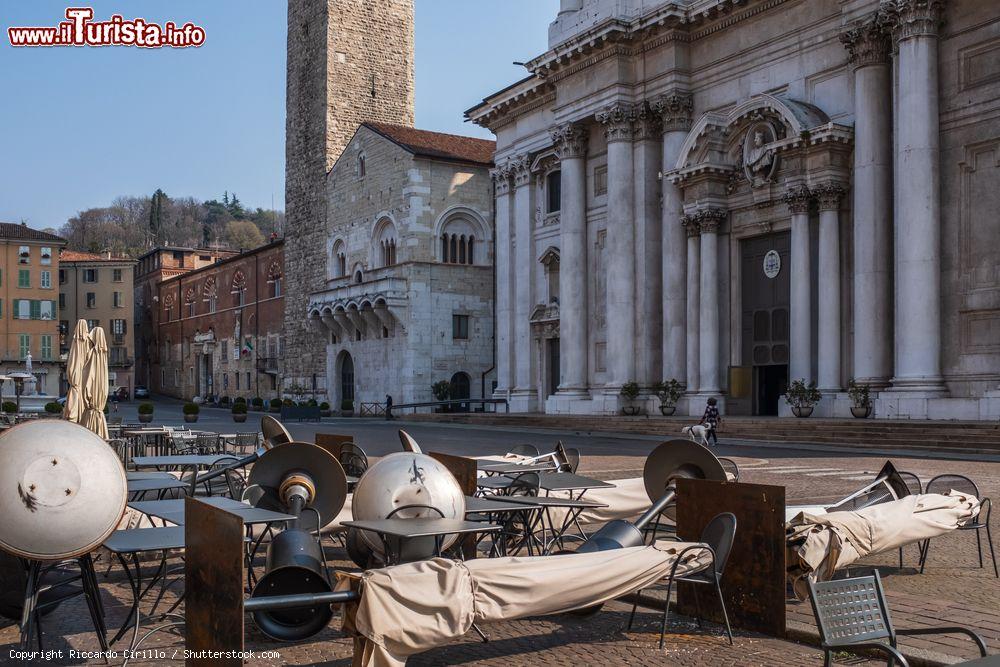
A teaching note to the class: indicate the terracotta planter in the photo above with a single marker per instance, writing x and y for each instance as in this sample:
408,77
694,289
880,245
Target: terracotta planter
802,412
667,410
630,410
861,411
144,418
239,419
190,418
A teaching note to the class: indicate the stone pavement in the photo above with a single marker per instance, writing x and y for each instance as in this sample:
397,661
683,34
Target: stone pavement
954,590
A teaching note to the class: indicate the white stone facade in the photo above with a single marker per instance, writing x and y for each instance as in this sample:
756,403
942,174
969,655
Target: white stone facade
853,146
392,294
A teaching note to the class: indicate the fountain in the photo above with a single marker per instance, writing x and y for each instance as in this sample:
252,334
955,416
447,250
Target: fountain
26,389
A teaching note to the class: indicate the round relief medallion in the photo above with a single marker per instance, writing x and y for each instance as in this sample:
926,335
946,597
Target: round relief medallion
772,264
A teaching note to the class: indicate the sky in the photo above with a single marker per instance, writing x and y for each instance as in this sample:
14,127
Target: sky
80,126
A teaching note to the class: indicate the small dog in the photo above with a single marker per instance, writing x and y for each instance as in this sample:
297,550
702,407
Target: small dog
698,433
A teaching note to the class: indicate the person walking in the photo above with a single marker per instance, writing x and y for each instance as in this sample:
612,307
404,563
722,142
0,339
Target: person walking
712,419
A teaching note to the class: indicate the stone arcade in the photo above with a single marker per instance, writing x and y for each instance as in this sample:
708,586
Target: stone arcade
739,193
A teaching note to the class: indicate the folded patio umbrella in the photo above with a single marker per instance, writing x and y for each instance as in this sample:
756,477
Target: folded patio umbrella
95,384
819,545
411,608
79,350
627,499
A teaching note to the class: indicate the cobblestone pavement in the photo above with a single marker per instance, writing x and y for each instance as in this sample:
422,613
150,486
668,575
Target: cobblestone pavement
953,590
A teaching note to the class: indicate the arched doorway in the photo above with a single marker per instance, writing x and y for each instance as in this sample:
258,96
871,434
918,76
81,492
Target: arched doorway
460,389
346,378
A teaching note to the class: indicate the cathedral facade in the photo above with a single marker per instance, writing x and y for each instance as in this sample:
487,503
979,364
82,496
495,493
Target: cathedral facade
737,194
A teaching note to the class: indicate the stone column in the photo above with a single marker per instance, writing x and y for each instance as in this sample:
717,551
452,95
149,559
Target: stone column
648,251
525,266
800,324
692,305
708,314
675,116
918,214
618,121
571,145
505,283
869,46
829,324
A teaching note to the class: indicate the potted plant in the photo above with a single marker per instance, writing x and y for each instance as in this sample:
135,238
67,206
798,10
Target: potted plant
145,412
52,408
239,412
224,402
275,405
861,398
258,403
802,397
630,392
669,392
347,408
442,392
324,409
10,407
191,411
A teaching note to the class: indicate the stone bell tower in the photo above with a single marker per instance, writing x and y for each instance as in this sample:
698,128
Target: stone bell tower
349,61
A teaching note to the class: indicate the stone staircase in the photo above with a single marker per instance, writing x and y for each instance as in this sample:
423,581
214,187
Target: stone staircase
919,436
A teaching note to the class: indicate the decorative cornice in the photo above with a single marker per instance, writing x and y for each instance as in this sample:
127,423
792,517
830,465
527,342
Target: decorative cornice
709,219
675,110
520,169
913,18
647,123
570,140
618,120
829,195
869,41
798,198
690,223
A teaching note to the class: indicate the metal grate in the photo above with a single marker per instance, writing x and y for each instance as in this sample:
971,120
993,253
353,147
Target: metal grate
850,611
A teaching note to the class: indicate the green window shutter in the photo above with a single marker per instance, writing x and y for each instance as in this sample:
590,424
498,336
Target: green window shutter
24,278
36,309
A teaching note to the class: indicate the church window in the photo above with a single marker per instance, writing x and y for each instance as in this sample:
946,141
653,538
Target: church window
460,327
385,238
553,191
458,242
600,180
361,165
339,259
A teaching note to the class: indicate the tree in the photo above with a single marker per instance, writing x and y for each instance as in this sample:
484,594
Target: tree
243,234
156,211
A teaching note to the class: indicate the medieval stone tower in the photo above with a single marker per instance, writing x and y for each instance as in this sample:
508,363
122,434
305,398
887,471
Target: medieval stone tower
349,61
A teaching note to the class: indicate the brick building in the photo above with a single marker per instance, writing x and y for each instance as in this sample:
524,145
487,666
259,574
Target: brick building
348,62
407,299
151,269
29,264
98,288
218,327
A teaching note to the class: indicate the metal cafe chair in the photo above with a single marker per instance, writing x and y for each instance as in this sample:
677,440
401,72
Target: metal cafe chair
524,450
962,484
852,614
353,459
730,467
571,457
717,538
915,487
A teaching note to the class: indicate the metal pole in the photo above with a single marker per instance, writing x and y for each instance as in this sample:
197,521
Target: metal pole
271,602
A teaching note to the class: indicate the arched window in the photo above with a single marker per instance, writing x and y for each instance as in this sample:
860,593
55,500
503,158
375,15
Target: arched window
361,165
359,276
189,306
458,241
239,289
339,259
274,275
210,293
385,242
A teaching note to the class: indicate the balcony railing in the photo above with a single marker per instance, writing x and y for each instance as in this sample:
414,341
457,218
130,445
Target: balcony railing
267,365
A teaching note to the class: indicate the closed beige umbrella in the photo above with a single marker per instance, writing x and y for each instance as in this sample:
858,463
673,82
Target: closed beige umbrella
79,350
95,384
819,545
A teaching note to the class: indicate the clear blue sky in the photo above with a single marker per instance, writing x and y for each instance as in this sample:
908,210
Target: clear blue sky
80,126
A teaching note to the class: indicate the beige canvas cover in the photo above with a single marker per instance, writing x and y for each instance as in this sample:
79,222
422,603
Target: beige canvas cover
95,384
79,350
819,545
411,608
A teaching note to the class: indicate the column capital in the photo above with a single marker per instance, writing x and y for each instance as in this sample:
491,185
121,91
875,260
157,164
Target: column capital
797,198
674,109
570,140
618,120
690,223
913,18
520,169
869,40
647,123
829,195
501,178
709,219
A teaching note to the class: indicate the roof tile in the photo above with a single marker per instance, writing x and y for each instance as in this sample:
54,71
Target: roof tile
437,144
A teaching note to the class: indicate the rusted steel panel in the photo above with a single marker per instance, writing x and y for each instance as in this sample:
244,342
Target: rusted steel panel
754,581
213,584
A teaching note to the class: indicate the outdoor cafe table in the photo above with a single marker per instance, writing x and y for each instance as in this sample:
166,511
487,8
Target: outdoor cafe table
570,481
181,460
173,510
493,508
509,468
140,487
542,517
407,529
